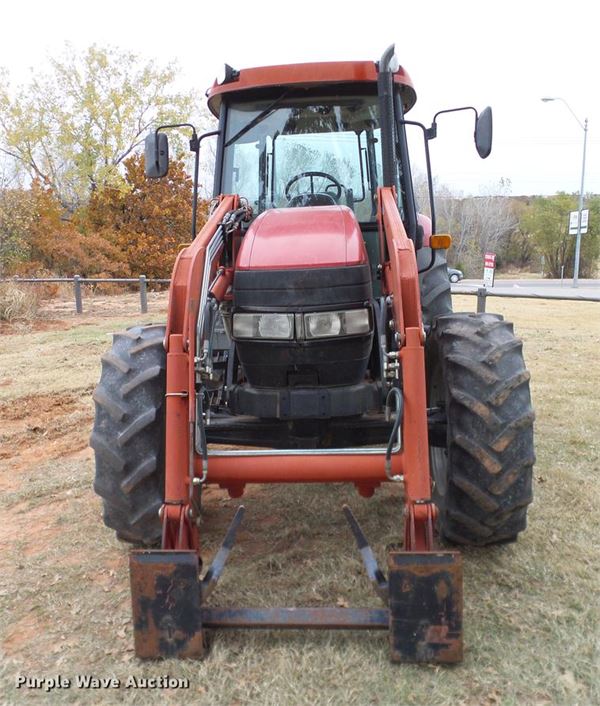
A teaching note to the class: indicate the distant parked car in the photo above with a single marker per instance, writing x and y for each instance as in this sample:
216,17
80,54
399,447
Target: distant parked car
454,275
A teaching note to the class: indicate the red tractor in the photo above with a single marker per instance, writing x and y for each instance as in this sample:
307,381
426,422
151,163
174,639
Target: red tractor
310,325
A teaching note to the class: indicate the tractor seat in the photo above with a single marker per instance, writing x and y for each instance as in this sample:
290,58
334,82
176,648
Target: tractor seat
318,199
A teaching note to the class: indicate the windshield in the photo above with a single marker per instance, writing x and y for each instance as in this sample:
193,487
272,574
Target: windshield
304,152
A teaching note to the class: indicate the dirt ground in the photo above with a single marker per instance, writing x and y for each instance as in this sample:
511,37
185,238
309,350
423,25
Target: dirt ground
532,609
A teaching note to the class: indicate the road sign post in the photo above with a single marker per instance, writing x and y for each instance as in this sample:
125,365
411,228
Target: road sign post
489,269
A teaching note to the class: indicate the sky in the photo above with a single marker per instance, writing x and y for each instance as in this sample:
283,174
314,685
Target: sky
505,54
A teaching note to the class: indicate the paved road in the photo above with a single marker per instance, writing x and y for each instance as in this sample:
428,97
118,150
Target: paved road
551,288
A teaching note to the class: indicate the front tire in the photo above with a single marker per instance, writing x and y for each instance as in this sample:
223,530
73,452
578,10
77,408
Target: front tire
128,434
482,479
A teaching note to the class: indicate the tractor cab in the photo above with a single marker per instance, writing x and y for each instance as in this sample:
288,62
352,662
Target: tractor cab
307,148
307,136
305,151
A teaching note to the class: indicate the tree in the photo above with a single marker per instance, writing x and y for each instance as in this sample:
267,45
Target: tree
55,245
73,127
149,221
519,249
478,223
590,242
16,209
547,219
15,219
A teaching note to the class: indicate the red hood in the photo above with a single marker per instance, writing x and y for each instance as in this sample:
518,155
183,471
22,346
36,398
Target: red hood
316,236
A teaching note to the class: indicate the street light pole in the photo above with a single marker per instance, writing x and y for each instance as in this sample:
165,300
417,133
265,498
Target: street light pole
578,240
584,127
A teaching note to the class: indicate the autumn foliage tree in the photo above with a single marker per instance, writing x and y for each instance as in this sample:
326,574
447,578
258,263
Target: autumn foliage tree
147,221
55,244
77,200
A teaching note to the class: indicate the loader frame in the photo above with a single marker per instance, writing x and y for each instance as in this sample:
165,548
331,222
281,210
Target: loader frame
423,591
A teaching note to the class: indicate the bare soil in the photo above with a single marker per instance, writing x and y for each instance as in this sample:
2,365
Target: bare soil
532,609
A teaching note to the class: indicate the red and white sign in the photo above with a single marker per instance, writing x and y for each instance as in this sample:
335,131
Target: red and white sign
489,260
489,268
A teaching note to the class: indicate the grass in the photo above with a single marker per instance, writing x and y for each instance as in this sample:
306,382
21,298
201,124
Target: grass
17,303
532,609
75,351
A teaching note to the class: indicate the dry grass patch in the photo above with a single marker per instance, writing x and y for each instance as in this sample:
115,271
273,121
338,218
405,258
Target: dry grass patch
17,303
532,609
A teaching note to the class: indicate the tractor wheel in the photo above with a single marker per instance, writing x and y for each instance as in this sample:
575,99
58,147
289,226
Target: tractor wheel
128,434
435,286
482,479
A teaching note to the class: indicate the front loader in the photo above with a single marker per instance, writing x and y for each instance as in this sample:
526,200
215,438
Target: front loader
310,339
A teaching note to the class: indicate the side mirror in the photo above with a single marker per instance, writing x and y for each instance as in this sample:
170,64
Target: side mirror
156,155
483,133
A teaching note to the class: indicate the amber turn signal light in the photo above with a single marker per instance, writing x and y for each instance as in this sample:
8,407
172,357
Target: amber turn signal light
440,242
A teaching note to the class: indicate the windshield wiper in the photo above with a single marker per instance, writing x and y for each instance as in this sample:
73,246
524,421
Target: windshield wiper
259,118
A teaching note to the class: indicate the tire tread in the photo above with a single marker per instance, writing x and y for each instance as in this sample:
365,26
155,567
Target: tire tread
490,451
128,434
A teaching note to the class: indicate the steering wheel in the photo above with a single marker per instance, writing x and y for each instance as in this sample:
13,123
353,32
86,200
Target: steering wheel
312,176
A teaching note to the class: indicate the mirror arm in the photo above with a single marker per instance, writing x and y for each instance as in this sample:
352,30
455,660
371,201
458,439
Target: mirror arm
431,133
429,176
169,127
195,147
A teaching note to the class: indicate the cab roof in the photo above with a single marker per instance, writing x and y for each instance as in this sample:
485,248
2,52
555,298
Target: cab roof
249,82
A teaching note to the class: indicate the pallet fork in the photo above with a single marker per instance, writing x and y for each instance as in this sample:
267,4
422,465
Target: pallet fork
422,593
422,596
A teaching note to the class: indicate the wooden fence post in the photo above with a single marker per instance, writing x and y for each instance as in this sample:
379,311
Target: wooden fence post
481,295
77,290
143,294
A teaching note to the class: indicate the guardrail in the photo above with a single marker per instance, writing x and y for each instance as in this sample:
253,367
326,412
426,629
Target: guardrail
142,281
482,293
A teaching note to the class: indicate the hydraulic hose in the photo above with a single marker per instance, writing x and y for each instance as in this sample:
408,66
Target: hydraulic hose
399,399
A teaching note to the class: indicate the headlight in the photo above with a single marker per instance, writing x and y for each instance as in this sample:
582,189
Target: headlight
270,326
328,324
321,324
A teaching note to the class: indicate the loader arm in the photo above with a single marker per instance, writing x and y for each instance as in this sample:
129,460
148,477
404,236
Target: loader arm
192,273
401,285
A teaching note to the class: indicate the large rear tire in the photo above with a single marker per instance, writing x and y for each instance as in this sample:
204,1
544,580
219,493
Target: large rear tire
128,434
482,479
436,299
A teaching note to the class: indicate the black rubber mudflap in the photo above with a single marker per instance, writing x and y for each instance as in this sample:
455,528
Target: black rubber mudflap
165,594
425,598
